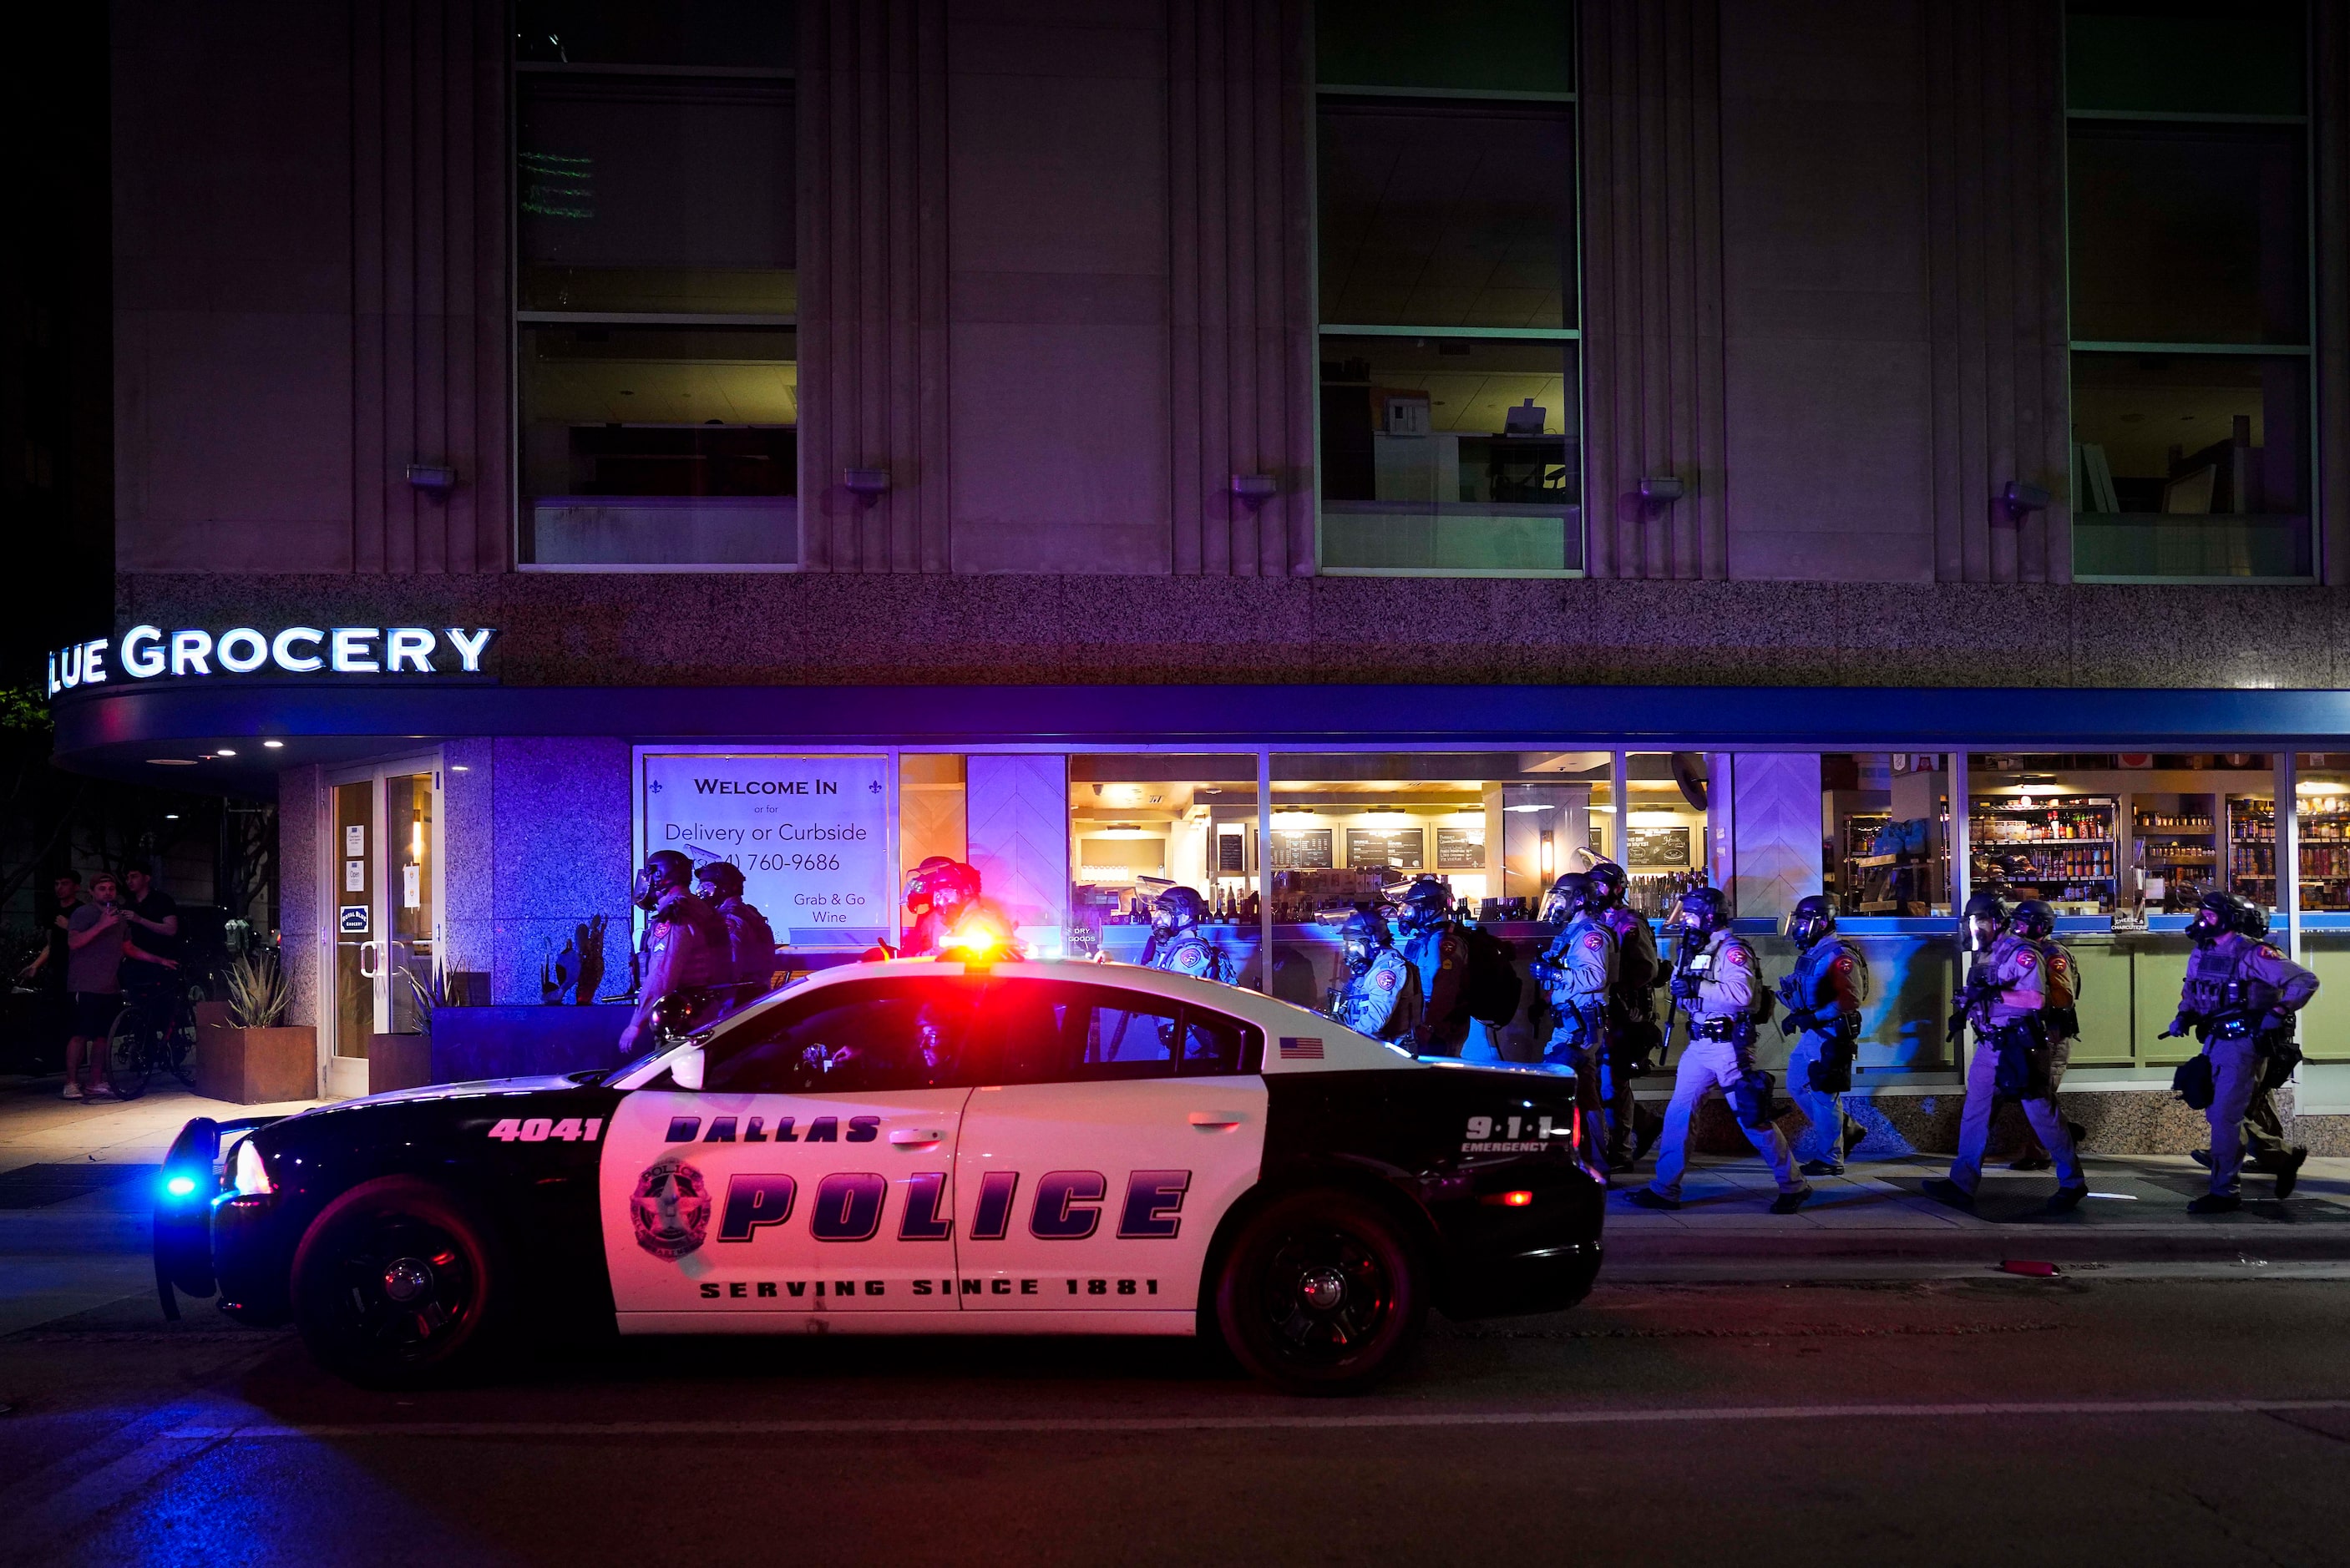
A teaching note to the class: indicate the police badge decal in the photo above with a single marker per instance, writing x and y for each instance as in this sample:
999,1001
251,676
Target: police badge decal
671,1208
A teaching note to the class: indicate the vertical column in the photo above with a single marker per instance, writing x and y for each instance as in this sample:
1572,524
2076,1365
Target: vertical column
1264,871
1619,792
1018,811
1652,286
2330,106
1961,840
871,121
1241,348
1721,824
2288,847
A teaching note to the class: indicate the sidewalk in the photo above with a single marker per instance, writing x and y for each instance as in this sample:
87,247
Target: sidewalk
1874,1222
76,1189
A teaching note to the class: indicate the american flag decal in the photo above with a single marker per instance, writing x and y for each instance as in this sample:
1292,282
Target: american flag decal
1301,1047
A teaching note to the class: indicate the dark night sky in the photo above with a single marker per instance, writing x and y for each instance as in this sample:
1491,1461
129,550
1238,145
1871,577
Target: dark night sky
56,503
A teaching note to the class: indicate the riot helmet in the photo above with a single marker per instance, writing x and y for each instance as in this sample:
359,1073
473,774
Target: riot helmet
722,878
1175,909
1607,884
1812,919
665,871
1426,904
1360,940
2253,920
1701,912
2033,918
2219,913
923,884
1570,896
1984,922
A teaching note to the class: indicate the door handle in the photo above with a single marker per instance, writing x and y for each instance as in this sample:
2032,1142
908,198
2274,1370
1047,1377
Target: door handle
916,1138
368,959
1216,1121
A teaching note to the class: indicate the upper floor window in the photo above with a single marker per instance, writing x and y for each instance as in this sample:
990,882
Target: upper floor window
1451,408
2189,241
656,289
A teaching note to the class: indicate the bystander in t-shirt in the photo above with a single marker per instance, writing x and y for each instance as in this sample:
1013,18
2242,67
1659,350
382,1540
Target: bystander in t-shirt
96,967
157,906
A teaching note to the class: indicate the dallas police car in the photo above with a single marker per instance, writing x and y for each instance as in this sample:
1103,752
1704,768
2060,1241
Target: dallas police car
912,1146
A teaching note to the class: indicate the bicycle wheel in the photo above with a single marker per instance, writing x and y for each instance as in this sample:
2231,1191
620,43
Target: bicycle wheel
128,1058
179,1040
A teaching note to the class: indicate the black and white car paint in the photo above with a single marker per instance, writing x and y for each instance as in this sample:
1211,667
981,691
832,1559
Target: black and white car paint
916,1147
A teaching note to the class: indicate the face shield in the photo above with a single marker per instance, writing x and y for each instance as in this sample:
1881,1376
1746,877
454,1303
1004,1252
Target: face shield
652,881
1979,931
1555,911
1802,929
1690,918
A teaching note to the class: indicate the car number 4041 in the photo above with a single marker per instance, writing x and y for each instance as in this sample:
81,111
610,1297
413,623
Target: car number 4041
540,1129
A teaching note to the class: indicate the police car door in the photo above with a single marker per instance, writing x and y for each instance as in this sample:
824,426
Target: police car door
813,1171
1117,1128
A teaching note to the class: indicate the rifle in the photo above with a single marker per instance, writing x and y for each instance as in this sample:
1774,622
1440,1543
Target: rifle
1976,993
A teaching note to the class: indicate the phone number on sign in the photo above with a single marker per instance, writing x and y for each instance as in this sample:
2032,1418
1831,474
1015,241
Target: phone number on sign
788,862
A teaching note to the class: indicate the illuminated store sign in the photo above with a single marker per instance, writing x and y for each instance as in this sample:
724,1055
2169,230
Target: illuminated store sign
149,651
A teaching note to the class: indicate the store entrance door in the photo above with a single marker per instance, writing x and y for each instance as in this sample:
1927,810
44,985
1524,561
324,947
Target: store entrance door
382,895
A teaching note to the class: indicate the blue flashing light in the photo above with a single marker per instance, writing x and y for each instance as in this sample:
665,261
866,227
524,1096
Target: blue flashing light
179,1186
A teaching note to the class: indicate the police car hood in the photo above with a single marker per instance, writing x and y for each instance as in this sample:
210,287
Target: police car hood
460,1091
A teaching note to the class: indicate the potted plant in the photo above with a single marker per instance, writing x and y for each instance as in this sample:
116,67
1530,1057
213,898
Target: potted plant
246,1051
404,1061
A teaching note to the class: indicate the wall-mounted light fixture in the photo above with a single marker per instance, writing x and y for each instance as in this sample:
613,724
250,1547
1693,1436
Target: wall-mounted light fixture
868,484
2018,498
1254,489
1662,488
433,478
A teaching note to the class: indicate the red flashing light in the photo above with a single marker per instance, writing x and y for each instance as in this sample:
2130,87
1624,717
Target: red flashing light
1508,1200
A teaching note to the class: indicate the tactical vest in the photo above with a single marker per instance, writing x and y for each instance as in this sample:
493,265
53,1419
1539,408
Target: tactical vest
2216,985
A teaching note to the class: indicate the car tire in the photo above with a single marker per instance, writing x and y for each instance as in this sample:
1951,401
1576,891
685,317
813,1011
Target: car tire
1321,1293
399,1284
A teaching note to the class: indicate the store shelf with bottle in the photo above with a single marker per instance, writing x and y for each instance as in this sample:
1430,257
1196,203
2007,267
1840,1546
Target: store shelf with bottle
2040,845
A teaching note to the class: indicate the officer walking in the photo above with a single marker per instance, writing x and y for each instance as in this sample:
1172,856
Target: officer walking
1433,945
1176,945
1633,1035
2035,921
2006,997
2264,1146
750,941
2240,998
1578,972
1380,994
1717,979
1822,996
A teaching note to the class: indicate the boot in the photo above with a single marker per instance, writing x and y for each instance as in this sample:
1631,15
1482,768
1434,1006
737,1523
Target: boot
1943,1189
2289,1172
2216,1203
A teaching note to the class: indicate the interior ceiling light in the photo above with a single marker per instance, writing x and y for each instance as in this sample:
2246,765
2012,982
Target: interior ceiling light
275,745
2317,786
223,751
170,762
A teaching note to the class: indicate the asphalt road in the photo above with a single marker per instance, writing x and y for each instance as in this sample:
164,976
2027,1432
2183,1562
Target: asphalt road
2077,1421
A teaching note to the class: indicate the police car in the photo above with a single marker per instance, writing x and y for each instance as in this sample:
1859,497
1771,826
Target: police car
912,1146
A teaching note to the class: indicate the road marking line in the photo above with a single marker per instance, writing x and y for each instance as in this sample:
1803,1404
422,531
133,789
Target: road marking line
1397,1421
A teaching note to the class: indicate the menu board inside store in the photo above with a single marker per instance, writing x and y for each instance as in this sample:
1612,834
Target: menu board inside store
1401,847
1302,849
1232,854
1460,849
1656,848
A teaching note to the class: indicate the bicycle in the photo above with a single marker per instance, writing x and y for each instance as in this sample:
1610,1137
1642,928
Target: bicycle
155,1032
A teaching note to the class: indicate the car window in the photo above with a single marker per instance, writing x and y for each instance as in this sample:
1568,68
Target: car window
1049,1032
1215,1045
862,1037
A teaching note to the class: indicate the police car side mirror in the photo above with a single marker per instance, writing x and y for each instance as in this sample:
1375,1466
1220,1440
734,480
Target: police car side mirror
685,1070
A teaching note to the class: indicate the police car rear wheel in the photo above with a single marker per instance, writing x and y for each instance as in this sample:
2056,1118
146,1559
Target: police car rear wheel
394,1285
1320,1293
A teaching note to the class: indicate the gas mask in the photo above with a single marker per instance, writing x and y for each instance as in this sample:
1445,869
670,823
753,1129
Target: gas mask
2206,927
1980,931
655,879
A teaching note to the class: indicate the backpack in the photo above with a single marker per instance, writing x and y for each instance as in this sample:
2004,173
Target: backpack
1491,989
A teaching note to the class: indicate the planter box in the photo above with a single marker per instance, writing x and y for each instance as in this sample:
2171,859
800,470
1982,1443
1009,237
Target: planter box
256,1067
471,1042
398,1062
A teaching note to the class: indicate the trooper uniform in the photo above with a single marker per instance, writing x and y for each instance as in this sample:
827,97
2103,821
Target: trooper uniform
1176,944
684,943
1380,995
1433,946
750,941
1578,972
2239,995
2007,998
1823,995
2061,987
2265,1149
1720,986
1631,1016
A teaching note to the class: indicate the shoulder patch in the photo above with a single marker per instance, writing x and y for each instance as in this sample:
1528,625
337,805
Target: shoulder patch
1735,954
1595,940
1385,978
1844,960
2027,960
2270,951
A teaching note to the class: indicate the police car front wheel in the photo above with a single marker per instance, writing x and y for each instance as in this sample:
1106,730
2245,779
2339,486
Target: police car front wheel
1320,1293
396,1284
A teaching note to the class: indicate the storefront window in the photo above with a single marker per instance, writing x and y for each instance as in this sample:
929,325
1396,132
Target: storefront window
2189,255
1139,824
656,287
1451,407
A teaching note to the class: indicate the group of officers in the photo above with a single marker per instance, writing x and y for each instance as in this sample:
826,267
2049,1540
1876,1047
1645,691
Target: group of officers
1433,985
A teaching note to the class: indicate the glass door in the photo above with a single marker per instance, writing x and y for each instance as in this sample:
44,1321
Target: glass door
384,880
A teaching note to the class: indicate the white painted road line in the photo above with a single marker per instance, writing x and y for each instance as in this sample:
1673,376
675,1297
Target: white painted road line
1397,1421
